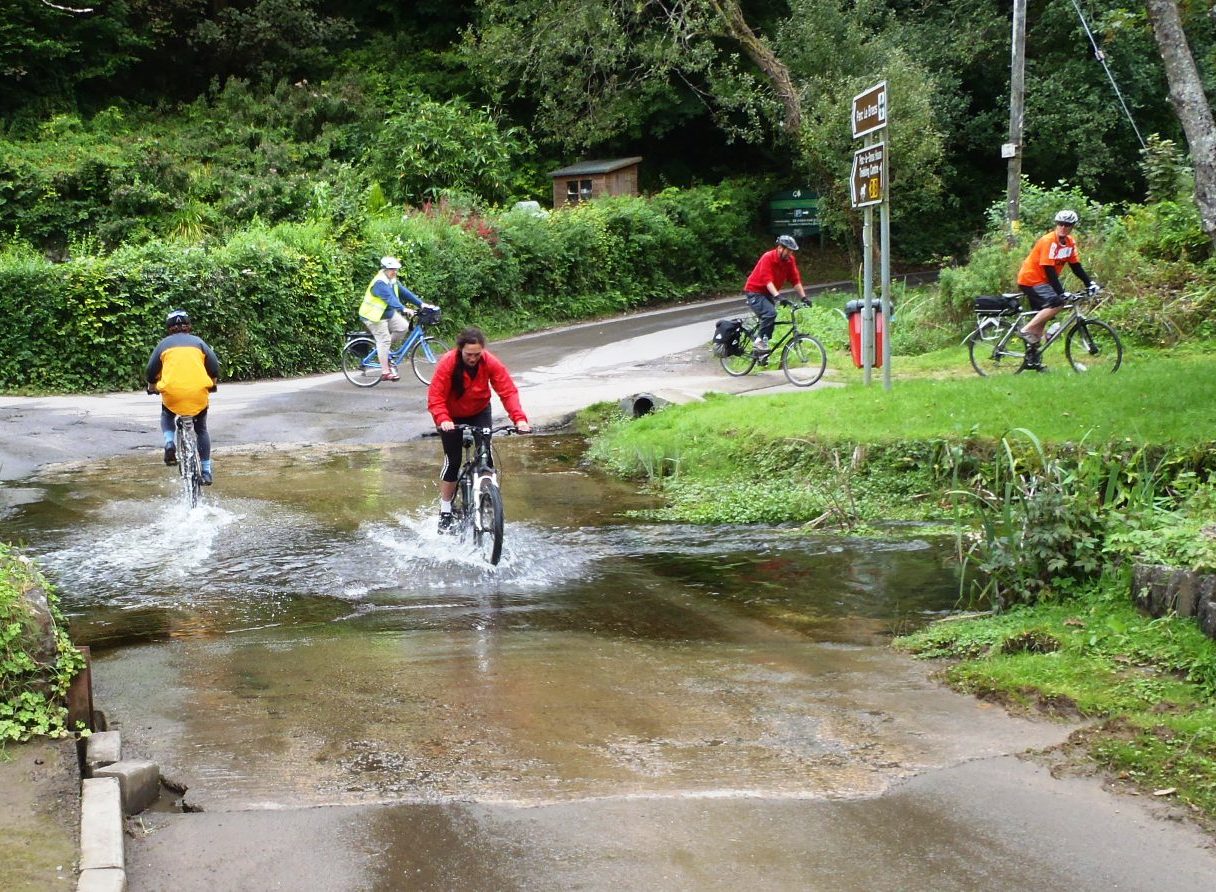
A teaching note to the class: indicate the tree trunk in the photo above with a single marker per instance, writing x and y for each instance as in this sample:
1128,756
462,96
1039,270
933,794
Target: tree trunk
765,59
1190,105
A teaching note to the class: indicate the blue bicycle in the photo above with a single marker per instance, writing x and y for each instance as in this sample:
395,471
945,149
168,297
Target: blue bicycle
362,367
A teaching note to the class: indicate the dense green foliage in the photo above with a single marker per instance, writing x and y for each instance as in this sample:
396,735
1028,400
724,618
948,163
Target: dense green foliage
274,300
31,692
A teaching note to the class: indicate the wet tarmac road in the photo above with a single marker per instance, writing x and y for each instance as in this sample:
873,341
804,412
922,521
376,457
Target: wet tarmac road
519,736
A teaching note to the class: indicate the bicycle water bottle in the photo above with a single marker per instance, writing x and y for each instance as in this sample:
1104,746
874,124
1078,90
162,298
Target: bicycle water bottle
1053,329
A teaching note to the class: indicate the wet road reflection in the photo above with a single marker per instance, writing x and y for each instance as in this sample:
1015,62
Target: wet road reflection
307,637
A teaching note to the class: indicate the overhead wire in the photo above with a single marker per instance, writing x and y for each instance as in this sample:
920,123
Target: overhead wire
1101,57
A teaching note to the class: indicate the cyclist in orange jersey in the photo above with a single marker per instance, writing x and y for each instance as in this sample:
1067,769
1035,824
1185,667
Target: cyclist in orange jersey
1039,279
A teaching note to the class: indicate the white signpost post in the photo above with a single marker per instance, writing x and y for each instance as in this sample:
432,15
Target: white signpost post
868,187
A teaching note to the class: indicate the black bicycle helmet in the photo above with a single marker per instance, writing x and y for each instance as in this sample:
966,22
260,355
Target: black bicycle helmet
177,319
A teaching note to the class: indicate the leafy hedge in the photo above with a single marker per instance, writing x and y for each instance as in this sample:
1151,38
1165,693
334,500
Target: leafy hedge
275,300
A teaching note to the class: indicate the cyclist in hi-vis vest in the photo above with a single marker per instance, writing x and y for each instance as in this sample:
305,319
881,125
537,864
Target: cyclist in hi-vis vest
184,371
385,315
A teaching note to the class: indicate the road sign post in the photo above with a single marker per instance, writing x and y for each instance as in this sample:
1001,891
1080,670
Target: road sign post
868,187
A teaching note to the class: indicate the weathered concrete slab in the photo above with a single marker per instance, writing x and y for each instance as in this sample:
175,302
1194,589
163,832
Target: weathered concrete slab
104,879
101,837
103,748
139,780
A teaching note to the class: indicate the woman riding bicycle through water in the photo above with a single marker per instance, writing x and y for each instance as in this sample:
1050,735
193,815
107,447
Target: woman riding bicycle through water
460,394
184,371
1039,279
772,271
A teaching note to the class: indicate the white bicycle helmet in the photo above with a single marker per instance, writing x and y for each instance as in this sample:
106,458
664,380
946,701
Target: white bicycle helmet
1067,217
390,263
177,319
787,241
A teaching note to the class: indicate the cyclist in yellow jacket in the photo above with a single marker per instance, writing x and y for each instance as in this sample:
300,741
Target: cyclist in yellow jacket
184,371
384,315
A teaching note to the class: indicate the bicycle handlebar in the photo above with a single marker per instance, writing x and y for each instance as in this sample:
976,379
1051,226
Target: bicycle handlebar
501,429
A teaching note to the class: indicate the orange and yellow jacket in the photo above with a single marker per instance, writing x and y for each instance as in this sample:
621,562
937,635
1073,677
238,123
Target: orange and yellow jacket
184,369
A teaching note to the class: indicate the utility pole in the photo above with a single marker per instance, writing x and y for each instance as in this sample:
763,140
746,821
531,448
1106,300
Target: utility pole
1017,102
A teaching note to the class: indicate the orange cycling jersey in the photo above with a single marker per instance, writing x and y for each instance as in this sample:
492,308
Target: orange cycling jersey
1047,251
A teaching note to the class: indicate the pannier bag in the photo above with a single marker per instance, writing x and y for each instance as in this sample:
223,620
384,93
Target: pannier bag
998,304
726,337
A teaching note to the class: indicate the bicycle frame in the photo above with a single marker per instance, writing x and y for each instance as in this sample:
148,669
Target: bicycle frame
396,356
802,357
996,345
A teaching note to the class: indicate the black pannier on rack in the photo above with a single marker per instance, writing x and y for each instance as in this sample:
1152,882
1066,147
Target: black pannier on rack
726,337
998,304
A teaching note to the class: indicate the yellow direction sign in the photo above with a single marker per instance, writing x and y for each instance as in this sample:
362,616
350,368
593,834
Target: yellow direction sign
867,185
870,110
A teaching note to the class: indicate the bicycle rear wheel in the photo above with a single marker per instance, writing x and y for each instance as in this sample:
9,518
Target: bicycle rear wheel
1093,346
424,355
490,519
189,466
745,360
992,358
359,362
803,360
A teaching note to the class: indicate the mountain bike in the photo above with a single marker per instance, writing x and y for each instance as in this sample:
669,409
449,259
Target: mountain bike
361,365
996,346
477,509
189,465
803,359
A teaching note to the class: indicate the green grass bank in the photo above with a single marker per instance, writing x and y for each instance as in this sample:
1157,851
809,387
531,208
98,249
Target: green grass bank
1054,484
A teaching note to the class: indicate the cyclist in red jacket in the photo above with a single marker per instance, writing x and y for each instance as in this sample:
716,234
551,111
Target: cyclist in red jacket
460,394
772,271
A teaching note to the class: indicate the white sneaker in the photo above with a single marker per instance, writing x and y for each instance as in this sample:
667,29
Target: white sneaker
760,344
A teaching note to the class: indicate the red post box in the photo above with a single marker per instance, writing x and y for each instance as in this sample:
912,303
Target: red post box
852,311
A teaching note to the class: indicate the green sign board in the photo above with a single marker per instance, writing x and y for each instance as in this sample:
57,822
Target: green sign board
794,212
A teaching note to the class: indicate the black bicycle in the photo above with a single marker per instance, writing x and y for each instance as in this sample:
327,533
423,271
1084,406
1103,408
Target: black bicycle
477,510
361,364
803,358
996,347
189,465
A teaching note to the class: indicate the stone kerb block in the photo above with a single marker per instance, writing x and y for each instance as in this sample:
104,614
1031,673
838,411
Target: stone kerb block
139,781
102,748
107,879
101,840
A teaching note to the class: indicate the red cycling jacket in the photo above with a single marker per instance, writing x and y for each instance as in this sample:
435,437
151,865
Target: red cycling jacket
444,405
772,268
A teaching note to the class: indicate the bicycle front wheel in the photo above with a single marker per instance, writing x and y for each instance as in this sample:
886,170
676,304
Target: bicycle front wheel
745,360
360,364
803,360
991,358
424,355
1093,346
489,513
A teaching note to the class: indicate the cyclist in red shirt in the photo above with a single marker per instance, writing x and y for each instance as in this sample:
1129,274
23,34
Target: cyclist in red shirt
1039,279
460,394
772,271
